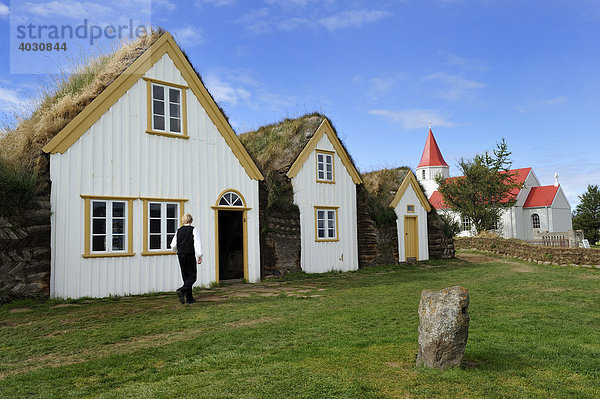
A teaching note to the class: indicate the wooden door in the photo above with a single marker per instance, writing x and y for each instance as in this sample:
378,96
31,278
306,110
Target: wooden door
411,240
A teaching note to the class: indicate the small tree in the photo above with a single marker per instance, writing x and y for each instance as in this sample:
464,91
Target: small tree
484,189
587,214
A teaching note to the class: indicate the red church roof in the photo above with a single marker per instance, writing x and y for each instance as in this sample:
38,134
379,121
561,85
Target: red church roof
541,196
437,201
432,155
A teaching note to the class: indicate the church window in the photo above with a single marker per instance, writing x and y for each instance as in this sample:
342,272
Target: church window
535,221
423,171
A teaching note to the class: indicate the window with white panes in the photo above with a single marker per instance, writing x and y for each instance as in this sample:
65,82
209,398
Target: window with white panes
326,224
466,224
163,221
109,226
166,109
325,170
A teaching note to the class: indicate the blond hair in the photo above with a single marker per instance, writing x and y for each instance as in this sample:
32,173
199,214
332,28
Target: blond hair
187,218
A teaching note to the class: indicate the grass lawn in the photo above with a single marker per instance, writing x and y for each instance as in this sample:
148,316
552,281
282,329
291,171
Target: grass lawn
535,332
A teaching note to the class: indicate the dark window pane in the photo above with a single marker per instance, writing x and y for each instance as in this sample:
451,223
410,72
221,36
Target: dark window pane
331,224
175,125
331,214
118,243
154,210
321,175
155,242
320,214
320,223
171,225
99,208
118,226
169,239
118,209
159,123
329,167
99,243
223,201
320,166
332,233
172,210
158,107
329,176
320,158
158,92
154,225
321,233
238,202
99,226
174,95
174,110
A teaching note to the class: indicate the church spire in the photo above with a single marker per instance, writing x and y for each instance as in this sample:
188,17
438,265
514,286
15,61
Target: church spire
432,156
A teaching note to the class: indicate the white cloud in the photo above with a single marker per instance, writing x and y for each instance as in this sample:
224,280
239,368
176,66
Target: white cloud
352,19
455,87
413,118
380,86
188,35
164,4
541,103
10,96
469,64
4,11
216,3
68,8
223,91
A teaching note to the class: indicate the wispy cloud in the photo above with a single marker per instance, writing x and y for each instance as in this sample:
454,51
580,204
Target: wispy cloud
409,119
68,8
4,11
224,91
189,35
468,64
380,86
164,5
9,96
352,19
264,21
453,87
216,3
542,103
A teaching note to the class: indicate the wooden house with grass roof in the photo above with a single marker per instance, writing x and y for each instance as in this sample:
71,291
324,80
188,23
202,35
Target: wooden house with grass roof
135,141
309,216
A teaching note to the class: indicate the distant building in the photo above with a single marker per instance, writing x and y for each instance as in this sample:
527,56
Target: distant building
538,208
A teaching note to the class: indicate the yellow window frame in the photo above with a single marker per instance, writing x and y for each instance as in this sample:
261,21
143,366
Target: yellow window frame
87,251
337,225
184,132
145,200
332,154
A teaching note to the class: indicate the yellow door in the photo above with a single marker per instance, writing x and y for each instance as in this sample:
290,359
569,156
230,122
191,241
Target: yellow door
411,241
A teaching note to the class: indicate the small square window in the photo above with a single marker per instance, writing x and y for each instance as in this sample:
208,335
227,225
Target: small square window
410,208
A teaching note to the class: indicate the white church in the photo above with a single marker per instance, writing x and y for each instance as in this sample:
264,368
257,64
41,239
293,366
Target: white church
538,208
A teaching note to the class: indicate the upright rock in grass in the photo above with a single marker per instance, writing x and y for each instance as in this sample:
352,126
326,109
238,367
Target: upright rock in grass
443,327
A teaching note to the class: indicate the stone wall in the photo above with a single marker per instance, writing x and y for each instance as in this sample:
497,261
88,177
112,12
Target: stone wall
441,246
25,254
279,239
529,252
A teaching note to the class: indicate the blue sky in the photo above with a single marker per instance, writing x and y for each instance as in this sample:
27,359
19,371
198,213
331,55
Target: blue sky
527,71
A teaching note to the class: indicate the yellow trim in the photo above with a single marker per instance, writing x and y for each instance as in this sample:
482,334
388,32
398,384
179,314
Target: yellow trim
325,152
167,134
87,247
411,180
145,200
234,191
149,130
109,96
416,245
244,211
337,229
324,128
165,83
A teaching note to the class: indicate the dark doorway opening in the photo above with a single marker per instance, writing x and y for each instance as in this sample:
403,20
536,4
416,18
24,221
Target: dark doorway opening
231,245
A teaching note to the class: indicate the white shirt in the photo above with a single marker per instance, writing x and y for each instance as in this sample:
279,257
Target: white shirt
197,243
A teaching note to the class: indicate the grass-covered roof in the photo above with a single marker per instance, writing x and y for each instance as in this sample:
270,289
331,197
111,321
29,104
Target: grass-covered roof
22,143
381,186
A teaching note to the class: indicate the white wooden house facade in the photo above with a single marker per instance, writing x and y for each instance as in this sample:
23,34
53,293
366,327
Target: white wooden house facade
324,182
151,147
411,207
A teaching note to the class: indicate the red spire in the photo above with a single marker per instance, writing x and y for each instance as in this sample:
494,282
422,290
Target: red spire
431,154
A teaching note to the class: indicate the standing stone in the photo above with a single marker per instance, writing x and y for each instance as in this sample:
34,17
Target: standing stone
443,327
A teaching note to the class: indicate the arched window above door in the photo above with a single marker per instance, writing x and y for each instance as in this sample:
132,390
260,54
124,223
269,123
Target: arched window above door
231,198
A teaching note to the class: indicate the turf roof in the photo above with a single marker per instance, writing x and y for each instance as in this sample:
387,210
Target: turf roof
382,184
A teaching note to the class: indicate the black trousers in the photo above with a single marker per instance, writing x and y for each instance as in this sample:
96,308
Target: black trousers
187,263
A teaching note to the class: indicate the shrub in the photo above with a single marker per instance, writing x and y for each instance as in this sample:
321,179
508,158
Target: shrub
18,188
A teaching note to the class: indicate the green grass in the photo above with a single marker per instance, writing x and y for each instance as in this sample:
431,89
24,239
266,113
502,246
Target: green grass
534,333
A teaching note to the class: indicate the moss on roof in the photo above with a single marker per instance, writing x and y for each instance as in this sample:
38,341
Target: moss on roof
381,186
23,143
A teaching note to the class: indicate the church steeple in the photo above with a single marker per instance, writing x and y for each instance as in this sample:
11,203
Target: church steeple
431,165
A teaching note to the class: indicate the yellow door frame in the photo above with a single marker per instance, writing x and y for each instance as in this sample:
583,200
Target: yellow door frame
244,209
416,240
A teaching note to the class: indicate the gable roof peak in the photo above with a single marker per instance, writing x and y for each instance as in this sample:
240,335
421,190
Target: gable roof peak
432,156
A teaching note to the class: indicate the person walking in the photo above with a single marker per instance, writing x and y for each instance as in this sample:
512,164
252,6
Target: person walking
189,251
